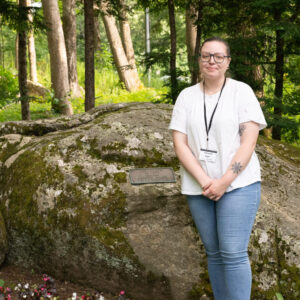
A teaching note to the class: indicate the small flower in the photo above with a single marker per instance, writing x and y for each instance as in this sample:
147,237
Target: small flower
26,286
46,277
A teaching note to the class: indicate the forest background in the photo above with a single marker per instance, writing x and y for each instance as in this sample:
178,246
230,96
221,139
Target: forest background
90,52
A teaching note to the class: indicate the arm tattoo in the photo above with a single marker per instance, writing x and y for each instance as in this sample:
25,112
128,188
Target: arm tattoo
236,167
242,128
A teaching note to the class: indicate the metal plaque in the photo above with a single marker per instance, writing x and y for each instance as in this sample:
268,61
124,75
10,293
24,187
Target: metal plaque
151,175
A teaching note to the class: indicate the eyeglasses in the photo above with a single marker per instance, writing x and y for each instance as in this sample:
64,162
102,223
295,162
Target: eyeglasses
218,57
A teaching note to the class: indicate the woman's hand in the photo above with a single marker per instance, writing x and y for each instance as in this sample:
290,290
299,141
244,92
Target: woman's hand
215,190
248,136
206,183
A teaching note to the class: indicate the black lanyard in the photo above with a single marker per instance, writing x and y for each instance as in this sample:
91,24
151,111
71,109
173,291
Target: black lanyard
205,119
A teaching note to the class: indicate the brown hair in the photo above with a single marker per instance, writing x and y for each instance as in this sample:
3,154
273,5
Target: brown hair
218,39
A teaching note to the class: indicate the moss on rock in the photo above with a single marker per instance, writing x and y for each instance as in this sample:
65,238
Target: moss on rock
3,240
282,277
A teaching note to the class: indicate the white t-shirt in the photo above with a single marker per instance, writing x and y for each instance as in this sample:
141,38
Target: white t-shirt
237,104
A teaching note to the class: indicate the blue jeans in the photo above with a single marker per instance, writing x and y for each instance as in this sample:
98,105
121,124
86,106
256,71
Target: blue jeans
224,227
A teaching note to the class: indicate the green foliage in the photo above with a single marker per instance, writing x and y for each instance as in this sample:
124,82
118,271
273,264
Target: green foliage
289,121
17,17
279,296
8,87
292,69
7,47
249,26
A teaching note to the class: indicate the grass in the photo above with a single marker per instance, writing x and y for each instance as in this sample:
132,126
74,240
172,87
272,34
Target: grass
43,110
108,89
12,112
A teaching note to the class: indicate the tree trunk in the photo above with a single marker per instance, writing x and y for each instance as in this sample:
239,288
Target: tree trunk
23,71
89,54
126,35
17,47
69,27
174,83
191,36
31,50
97,35
127,41
196,74
58,57
127,75
279,70
148,41
17,52
1,46
32,57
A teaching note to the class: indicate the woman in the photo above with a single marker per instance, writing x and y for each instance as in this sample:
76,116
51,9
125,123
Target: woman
215,126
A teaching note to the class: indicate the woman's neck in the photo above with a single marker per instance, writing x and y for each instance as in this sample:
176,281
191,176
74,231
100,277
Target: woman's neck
212,86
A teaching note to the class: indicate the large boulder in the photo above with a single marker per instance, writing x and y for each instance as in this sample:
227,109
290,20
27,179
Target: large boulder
3,240
70,210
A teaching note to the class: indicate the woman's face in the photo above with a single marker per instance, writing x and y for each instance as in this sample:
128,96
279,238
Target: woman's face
211,69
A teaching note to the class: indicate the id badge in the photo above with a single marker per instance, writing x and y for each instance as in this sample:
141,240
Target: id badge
208,155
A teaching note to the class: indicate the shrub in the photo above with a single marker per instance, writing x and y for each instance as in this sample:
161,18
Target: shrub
8,87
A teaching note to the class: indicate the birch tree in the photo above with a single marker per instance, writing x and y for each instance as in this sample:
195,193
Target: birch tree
58,57
69,27
128,75
31,49
126,34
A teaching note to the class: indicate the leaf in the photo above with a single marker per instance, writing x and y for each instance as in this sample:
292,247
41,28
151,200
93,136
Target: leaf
1,282
279,296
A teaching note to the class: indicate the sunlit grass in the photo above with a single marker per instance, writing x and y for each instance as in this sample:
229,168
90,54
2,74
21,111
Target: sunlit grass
43,110
108,89
121,95
37,111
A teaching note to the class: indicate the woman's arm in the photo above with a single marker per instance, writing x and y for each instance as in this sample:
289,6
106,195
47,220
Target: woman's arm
248,136
188,160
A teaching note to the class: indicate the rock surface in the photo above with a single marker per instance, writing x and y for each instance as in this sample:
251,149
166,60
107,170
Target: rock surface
35,89
70,210
3,240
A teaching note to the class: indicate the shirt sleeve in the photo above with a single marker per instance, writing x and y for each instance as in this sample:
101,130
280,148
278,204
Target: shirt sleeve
179,115
249,108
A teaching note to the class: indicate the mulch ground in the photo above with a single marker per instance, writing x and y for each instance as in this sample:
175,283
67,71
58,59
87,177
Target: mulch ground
12,275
